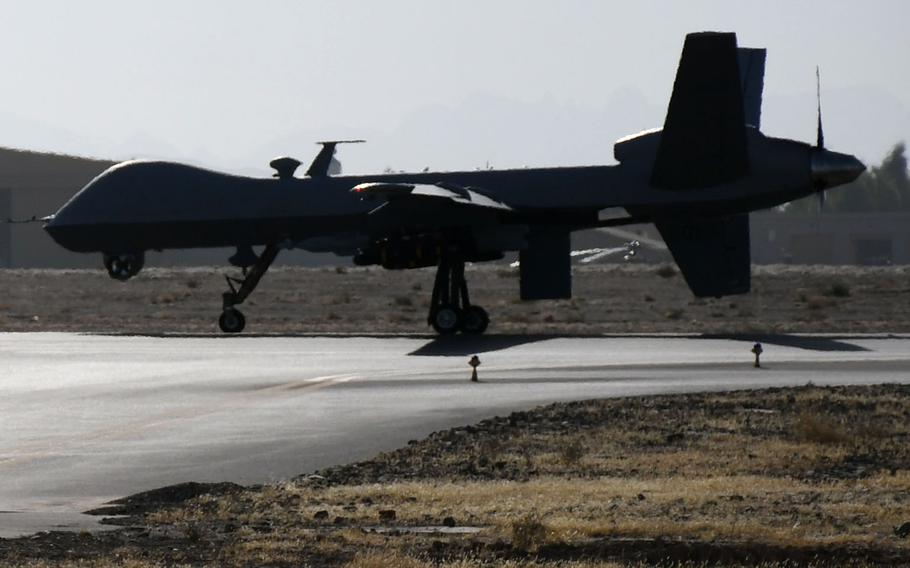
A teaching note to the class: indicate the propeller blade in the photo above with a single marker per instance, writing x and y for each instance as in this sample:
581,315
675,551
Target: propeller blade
820,133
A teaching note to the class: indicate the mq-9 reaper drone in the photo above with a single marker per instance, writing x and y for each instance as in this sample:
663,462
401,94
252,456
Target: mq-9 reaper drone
696,179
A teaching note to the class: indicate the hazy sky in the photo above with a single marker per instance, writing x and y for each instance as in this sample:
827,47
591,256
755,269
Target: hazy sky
231,83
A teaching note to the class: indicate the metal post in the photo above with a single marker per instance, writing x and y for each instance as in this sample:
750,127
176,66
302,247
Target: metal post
474,363
757,350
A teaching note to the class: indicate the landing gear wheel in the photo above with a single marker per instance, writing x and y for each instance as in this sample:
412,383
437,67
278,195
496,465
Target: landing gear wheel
123,266
446,319
120,269
474,320
231,321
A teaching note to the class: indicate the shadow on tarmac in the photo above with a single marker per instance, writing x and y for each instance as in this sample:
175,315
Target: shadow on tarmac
462,345
455,345
449,345
810,343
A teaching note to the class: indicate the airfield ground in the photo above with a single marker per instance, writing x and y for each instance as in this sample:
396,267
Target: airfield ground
608,299
780,477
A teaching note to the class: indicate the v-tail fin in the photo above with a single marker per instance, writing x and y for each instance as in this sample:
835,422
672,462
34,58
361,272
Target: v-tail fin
704,135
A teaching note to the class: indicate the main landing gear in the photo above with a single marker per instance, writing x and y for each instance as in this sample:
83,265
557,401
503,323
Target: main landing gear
232,320
450,306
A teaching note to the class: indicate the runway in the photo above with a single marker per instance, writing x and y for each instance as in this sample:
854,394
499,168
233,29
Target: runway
86,419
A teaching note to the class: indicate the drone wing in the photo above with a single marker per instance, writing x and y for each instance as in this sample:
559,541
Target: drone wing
438,194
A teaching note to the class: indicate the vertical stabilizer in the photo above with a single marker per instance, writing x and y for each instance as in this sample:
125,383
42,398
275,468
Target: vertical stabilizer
752,78
703,143
713,254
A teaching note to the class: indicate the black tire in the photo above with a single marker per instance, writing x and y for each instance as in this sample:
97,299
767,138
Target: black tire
446,319
123,266
474,320
231,321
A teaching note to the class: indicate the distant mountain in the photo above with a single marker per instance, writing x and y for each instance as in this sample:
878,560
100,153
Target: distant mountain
486,130
29,134
491,129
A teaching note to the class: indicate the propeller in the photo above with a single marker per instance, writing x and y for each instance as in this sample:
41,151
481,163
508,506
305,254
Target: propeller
829,169
820,133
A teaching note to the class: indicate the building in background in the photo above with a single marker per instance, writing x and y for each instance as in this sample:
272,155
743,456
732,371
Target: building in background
871,239
868,239
37,184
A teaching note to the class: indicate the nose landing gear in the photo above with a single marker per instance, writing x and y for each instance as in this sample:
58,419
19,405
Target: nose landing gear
232,319
450,306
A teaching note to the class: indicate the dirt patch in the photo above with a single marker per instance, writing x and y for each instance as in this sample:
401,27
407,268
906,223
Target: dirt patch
607,299
170,496
779,477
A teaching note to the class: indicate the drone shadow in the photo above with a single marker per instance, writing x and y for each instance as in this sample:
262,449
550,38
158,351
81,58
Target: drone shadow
807,342
453,345
457,345
463,345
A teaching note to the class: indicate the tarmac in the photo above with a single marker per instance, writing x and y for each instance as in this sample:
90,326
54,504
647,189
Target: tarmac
90,418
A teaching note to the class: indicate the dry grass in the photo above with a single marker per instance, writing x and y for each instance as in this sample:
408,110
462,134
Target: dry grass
124,562
397,559
807,473
545,510
838,290
819,428
403,301
666,271
819,302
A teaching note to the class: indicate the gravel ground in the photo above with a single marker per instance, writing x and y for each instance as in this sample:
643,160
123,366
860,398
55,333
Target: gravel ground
833,462
607,299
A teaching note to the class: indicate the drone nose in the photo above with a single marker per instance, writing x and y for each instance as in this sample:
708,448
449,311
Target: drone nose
830,169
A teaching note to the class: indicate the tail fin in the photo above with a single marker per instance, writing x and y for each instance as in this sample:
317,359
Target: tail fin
713,254
704,136
752,79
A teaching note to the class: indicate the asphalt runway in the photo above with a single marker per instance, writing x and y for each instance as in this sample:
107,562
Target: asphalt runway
87,418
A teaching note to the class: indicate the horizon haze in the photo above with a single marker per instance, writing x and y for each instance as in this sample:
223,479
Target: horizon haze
230,85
